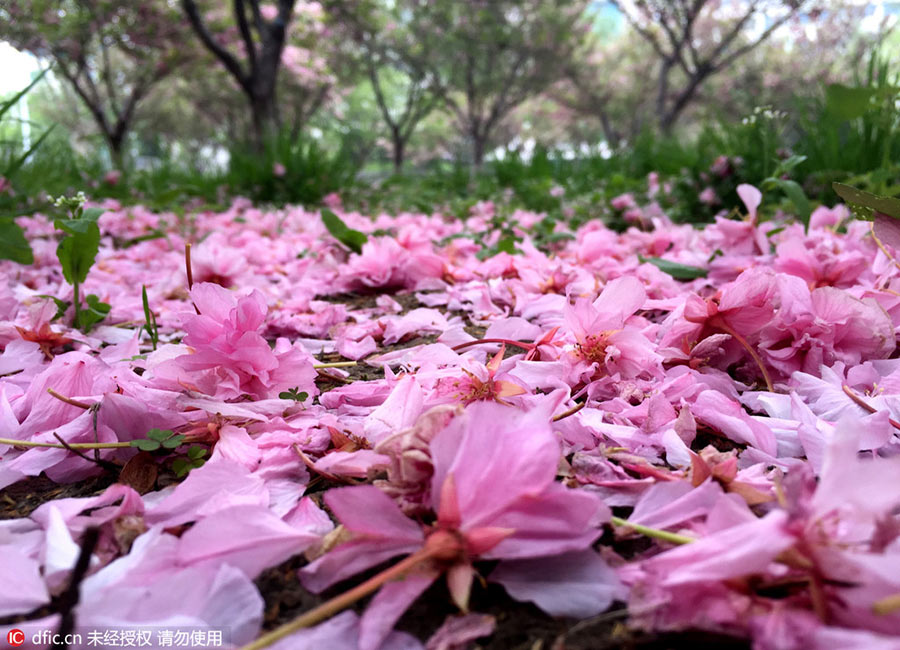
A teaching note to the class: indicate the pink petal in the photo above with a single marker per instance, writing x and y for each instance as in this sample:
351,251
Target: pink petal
247,537
366,510
575,584
388,606
751,197
23,587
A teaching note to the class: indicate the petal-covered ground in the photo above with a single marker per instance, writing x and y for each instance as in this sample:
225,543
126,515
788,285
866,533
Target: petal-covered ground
572,422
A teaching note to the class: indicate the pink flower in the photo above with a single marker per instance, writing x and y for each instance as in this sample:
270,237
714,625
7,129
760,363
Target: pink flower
602,335
230,357
112,177
822,327
708,196
332,201
495,497
278,169
623,202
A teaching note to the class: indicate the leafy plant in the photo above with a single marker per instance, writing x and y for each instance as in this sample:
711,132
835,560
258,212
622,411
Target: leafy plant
76,252
293,394
676,270
149,319
195,457
791,188
864,204
352,239
158,439
13,245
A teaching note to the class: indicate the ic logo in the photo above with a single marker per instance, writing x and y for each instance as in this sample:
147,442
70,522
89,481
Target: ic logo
15,637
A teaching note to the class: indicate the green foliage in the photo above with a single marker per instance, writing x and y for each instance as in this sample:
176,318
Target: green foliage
294,394
158,439
76,252
352,239
865,205
676,270
291,169
13,245
149,319
195,457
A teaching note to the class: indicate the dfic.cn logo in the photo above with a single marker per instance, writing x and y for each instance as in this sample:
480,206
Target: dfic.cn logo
15,637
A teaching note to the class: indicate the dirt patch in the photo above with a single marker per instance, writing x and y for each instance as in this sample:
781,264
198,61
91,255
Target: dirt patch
24,497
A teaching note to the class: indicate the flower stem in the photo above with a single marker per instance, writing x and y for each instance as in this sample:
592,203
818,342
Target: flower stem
571,411
655,533
329,608
74,445
518,344
187,265
881,246
335,364
69,400
887,605
76,301
749,348
859,401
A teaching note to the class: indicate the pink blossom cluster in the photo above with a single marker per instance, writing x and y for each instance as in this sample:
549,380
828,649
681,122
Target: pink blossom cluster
530,414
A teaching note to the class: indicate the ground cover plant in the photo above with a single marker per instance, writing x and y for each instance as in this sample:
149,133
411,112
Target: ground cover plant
302,429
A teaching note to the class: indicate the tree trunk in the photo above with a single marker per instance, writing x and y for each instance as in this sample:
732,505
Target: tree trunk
479,144
116,143
399,151
264,114
662,91
609,132
669,117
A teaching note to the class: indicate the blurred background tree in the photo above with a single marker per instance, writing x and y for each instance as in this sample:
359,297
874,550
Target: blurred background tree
111,53
264,98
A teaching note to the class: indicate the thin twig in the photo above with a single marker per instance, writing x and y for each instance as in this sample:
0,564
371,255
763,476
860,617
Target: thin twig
859,401
69,400
12,442
571,411
105,464
69,598
187,265
338,603
655,533
749,348
462,346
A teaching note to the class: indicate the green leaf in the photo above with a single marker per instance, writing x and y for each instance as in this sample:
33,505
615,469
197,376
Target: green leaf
352,239
181,467
196,453
145,445
94,312
676,270
16,164
507,245
173,442
92,214
13,245
294,395
12,101
158,434
797,196
847,102
77,252
787,165
864,204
